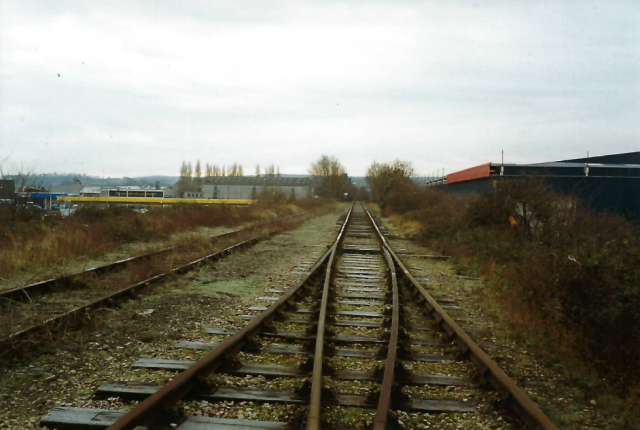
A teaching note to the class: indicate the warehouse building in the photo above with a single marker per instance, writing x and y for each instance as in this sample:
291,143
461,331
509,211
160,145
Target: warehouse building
70,188
247,187
131,191
605,183
90,192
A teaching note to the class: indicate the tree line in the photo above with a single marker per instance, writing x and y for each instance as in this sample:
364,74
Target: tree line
332,181
330,177
191,177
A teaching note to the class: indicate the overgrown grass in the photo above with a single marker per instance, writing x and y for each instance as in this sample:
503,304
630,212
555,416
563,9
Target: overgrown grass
35,243
566,278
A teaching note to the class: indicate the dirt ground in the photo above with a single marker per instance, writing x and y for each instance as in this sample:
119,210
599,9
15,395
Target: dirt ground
67,371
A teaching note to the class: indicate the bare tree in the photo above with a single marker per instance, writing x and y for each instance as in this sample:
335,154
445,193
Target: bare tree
270,170
330,176
198,179
2,162
185,176
188,179
403,169
384,176
258,169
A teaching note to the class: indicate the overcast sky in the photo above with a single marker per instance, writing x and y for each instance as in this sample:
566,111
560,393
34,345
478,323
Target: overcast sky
132,88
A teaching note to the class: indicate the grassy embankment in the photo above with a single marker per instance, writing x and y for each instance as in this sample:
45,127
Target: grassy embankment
567,280
31,245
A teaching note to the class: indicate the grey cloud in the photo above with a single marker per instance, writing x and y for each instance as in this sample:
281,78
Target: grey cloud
445,85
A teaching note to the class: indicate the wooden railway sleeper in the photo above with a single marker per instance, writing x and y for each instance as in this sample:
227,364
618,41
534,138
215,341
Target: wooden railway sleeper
309,346
202,385
386,322
229,363
268,327
399,400
404,348
331,308
169,414
327,369
304,391
251,345
328,332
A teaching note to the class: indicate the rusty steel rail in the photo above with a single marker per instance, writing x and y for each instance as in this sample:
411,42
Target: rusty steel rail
157,407
314,421
513,396
107,301
389,378
28,291
131,291
314,417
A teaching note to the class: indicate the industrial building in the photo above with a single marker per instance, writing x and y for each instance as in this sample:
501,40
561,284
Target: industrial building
131,191
604,183
90,192
126,195
7,189
247,187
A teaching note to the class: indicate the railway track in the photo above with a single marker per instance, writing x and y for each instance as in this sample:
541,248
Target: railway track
358,342
34,312
29,292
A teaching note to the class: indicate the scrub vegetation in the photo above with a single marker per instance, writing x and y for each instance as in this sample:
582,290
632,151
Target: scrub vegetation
34,243
566,279
67,372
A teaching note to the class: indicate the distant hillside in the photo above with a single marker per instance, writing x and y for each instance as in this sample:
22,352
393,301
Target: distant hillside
56,180
48,180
